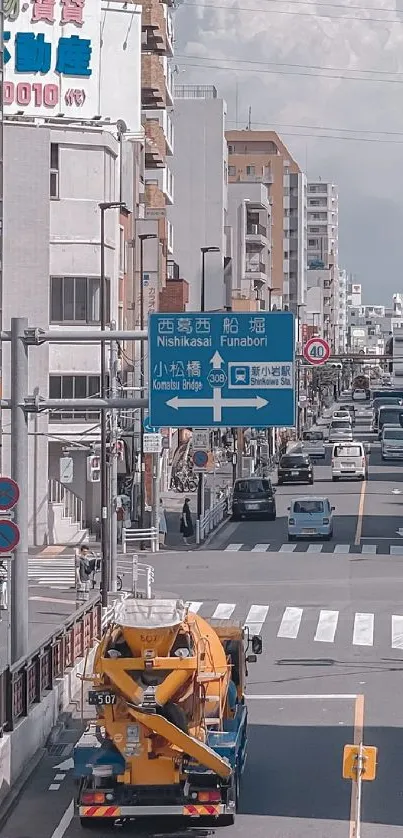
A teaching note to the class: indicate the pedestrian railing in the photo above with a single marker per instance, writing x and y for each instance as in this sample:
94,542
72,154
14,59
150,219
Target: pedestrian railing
26,682
137,576
219,510
132,535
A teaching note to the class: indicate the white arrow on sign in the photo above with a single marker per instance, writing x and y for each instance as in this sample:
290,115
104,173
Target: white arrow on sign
217,403
400,532
67,765
216,361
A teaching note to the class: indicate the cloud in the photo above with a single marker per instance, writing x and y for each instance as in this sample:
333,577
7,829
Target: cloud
368,172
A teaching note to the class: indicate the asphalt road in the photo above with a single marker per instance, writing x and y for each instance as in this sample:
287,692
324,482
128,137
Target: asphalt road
330,672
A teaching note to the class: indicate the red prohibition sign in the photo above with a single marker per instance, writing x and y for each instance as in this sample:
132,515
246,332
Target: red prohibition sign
316,351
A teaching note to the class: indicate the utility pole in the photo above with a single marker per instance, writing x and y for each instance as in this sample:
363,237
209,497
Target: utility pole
204,250
142,238
113,482
19,473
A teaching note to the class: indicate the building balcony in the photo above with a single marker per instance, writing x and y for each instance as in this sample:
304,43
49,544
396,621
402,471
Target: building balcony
156,27
154,196
153,82
256,234
155,146
241,301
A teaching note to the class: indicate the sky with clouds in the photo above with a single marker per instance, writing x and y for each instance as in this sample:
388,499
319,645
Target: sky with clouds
329,79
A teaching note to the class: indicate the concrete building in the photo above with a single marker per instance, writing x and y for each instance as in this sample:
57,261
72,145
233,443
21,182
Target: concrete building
249,219
198,214
341,322
354,293
323,249
57,175
261,157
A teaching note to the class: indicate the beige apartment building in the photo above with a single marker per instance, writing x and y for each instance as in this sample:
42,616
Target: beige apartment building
261,157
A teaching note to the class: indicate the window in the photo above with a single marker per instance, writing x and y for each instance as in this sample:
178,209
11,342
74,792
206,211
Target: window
76,299
250,170
231,149
122,251
54,171
312,242
231,171
74,387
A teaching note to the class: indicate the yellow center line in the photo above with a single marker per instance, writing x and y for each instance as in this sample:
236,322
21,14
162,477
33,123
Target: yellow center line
360,513
358,737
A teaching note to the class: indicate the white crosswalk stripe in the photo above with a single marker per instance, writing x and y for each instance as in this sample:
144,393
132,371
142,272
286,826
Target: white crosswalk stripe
52,573
319,547
256,618
327,625
324,624
290,623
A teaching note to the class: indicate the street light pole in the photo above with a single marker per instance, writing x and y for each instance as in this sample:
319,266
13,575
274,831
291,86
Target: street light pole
142,238
105,546
204,250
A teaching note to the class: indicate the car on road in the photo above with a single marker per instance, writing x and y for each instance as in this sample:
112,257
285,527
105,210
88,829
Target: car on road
349,460
360,395
389,415
340,429
310,517
349,410
313,443
295,468
253,497
392,442
342,413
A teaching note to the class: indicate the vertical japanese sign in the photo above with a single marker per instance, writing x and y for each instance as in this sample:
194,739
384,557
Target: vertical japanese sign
51,57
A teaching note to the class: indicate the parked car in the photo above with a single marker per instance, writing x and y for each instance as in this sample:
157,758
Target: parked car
295,468
340,429
310,517
349,460
313,443
253,497
392,442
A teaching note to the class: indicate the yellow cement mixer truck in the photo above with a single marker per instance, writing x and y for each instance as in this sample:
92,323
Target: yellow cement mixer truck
169,737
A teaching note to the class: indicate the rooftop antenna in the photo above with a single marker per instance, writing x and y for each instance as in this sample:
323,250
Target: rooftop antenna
236,103
250,118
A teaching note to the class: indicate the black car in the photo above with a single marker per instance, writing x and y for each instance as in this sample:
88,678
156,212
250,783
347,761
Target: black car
253,497
295,468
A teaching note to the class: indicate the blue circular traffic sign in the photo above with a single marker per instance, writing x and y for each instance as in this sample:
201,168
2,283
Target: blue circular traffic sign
200,458
9,493
217,378
9,535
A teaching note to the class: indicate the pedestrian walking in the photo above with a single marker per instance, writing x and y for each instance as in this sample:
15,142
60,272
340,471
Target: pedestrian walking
162,524
120,515
186,526
85,567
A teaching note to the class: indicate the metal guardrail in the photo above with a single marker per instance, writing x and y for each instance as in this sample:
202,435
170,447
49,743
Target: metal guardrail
131,535
141,575
213,516
27,681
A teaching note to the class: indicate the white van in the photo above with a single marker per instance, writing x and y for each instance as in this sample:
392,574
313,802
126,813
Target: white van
392,442
349,460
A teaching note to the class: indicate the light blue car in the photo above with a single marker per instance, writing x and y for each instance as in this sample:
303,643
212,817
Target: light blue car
310,517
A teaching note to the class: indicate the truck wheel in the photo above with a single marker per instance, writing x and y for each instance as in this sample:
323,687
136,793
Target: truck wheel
95,823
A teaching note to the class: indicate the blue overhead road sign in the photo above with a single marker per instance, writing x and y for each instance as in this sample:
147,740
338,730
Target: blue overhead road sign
233,370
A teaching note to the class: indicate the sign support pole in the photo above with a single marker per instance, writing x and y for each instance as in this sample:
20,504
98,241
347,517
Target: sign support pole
113,481
19,472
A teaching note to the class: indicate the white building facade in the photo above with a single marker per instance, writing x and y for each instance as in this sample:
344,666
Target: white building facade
323,248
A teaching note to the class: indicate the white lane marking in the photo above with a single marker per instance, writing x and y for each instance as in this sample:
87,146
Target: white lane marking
314,548
194,607
256,617
232,548
223,611
327,625
397,632
59,777
363,634
287,548
289,626
54,787
341,548
65,821
396,549
309,696
369,549
260,548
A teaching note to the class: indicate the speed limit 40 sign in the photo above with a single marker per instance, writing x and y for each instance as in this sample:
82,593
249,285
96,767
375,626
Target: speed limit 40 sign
316,351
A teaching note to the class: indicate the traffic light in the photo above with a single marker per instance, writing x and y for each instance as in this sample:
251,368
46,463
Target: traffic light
93,468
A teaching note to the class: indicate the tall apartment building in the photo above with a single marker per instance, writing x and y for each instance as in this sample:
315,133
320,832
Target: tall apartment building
249,223
342,310
199,212
261,157
323,249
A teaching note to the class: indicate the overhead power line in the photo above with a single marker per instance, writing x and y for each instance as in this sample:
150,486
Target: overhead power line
198,5
288,64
